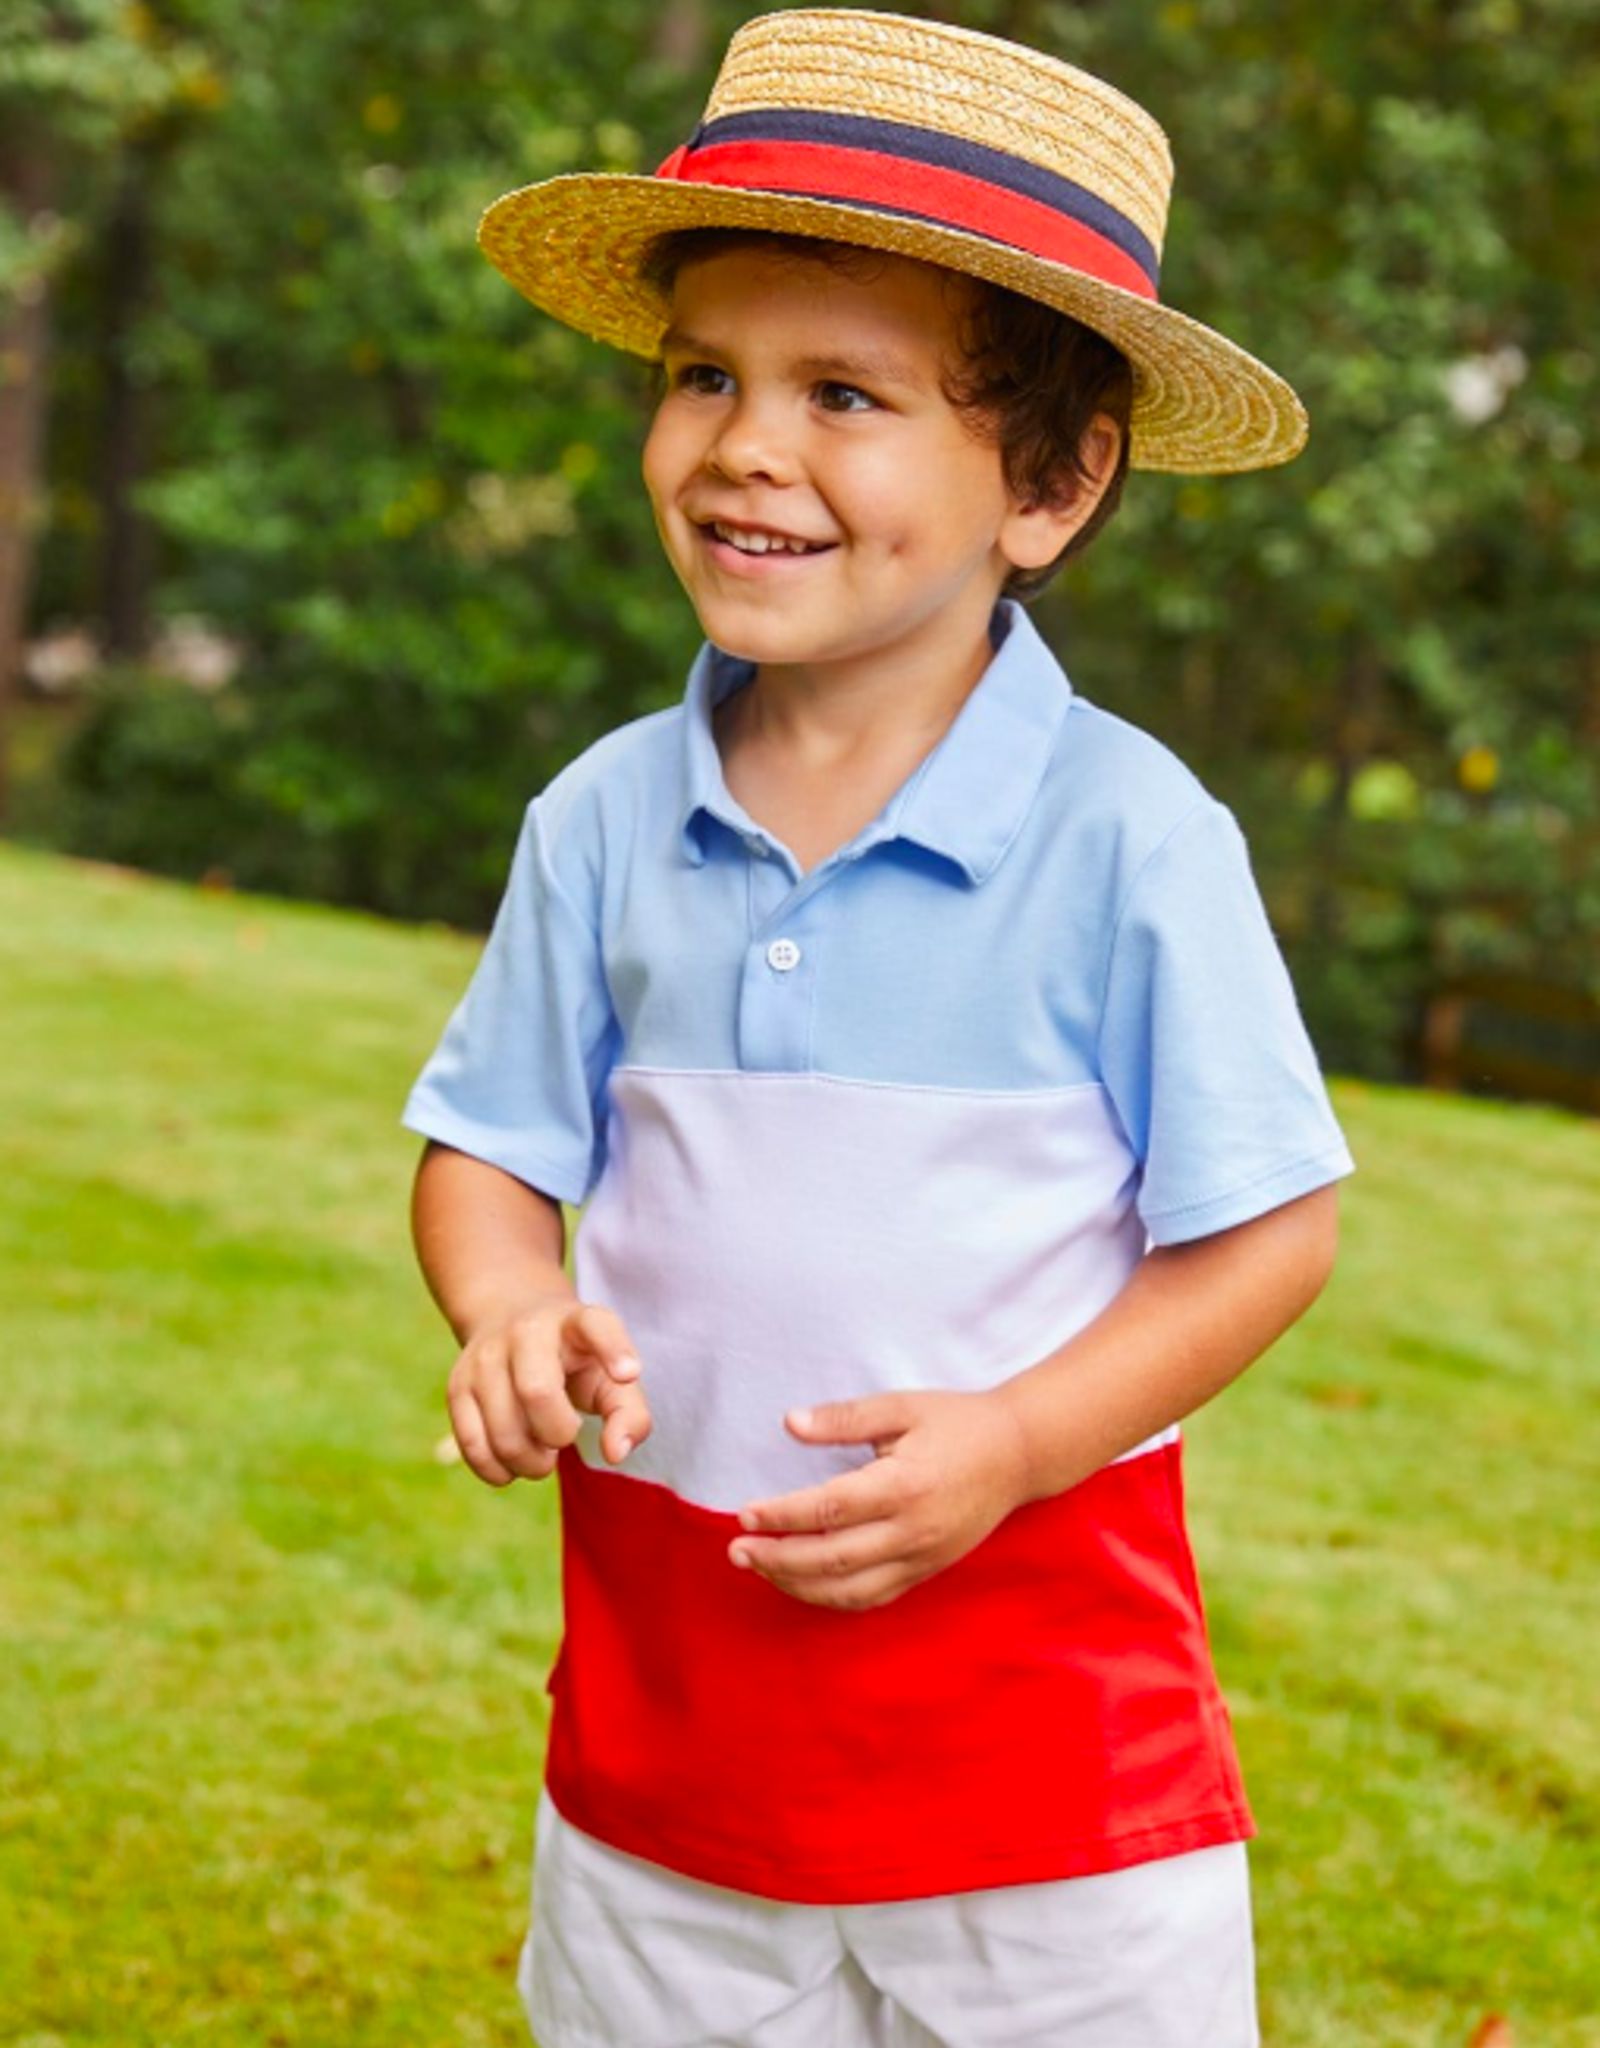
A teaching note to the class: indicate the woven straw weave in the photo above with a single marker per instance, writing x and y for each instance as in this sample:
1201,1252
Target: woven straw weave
576,246
955,81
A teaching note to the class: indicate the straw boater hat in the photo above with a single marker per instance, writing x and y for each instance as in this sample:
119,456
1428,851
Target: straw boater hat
930,142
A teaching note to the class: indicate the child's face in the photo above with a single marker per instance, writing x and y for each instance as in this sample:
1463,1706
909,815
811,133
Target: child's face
825,505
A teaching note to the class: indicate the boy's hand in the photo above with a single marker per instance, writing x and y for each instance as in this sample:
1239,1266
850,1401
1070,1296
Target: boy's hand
949,1468
519,1391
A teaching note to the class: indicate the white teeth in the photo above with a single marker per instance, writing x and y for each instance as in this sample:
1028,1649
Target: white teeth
759,543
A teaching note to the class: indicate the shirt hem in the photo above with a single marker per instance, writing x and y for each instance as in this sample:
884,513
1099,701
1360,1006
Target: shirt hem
1255,1198
540,1174
863,1885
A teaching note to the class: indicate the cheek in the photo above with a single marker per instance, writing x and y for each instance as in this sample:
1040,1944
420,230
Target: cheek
652,462
665,458
951,499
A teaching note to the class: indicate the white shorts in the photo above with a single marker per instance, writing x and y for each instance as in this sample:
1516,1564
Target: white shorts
623,1954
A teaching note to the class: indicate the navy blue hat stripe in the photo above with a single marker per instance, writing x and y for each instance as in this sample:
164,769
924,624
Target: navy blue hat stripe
945,152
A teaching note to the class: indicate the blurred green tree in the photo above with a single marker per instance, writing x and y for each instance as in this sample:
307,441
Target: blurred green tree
413,507
375,462
1388,655
78,80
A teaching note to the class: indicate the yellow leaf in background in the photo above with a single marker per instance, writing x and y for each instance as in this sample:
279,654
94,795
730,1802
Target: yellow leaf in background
382,114
1478,770
204,88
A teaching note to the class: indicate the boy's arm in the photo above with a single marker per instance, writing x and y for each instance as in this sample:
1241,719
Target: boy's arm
951,1466
534,1359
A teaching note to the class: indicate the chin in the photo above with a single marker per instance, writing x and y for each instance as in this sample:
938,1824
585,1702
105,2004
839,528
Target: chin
760,640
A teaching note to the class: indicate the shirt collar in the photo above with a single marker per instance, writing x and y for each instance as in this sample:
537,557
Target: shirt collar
968,800
714,677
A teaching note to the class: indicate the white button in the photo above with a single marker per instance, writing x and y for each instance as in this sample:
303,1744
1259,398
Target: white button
783,955
756,848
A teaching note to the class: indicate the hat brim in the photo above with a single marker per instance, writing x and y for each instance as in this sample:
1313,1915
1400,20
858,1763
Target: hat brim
576,247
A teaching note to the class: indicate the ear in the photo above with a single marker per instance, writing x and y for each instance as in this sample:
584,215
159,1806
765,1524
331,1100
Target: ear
1034,534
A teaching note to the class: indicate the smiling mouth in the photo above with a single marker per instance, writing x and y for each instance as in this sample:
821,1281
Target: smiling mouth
756,541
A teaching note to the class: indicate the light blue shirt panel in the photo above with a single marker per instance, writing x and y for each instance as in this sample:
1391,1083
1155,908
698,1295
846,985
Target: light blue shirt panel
931,978
519,1075
1202,1045
1008,923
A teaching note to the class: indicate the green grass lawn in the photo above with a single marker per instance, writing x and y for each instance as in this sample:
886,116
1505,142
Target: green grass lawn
272,1705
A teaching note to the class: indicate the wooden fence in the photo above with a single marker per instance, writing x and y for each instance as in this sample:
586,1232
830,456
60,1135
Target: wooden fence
1531,1040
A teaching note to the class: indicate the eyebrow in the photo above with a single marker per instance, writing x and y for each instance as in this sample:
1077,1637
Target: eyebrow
880,366
679,341
871,366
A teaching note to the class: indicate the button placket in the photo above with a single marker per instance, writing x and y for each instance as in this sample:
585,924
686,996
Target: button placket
768,891
779,982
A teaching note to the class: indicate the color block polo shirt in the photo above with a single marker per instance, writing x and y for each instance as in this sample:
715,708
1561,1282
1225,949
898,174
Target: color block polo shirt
909,1120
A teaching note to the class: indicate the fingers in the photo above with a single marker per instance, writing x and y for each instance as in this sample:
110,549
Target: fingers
624,1418
593,1335
472,1435
876,1419
518,1395
509,1408
864,1568
844,1544
495,1440
603,1372
509,1403
844,1502
941,1481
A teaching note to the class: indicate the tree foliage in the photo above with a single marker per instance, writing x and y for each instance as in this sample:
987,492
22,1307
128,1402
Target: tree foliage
414,504
1388,654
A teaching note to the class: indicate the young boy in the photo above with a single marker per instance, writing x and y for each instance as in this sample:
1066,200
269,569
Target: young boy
915,1036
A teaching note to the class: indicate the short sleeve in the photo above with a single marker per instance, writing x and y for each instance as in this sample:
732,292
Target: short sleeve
1202,1047
519,1075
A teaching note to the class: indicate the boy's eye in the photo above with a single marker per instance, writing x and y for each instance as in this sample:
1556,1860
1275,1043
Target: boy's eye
704,379
844,398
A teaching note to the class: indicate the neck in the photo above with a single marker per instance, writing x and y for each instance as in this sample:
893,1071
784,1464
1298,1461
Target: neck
850,708
814,756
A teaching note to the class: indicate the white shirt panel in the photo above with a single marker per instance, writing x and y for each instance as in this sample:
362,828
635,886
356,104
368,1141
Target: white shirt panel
779,1240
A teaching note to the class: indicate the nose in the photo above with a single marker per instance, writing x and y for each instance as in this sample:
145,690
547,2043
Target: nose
750,445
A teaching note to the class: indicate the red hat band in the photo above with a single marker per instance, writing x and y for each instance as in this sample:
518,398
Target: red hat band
916,174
